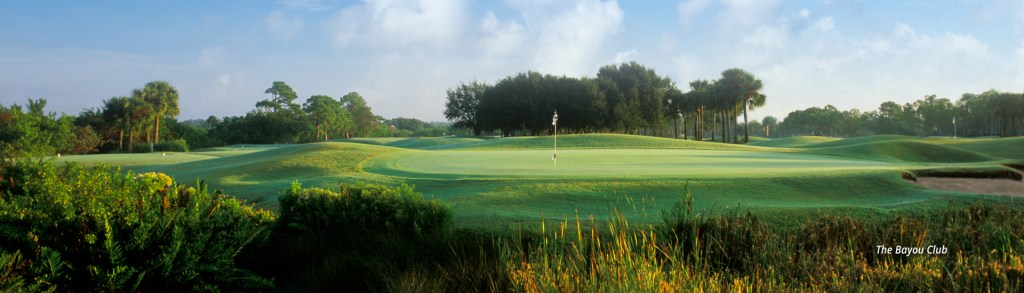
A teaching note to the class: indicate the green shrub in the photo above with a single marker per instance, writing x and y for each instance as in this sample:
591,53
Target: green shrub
329,241
90,229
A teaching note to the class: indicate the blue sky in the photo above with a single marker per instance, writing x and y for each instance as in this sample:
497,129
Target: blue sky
403,55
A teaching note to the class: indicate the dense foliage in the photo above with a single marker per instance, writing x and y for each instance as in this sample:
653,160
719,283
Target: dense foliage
627,98
71,228
36,133
341,240
991,113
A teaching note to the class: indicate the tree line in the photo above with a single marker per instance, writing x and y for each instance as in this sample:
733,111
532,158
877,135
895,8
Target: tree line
991,113
625,98
146,121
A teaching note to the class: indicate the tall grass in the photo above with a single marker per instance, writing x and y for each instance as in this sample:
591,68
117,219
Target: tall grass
738,252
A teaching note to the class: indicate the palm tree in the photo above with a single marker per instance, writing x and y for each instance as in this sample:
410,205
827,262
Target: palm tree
744,89
164,100
115,111
138,111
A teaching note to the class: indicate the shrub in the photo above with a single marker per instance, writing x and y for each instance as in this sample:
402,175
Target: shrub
92,229
330,241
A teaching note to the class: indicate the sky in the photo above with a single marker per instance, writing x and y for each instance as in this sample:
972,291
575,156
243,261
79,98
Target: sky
402,56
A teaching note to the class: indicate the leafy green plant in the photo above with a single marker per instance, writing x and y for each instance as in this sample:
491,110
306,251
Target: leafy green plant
353,237
108,230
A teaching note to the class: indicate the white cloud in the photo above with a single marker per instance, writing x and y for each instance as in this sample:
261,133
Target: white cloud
625,56
746,13
807,63
344,26
570,42
424,22
691,8
823,24
284,26
767,38
501,38
804,13
211,56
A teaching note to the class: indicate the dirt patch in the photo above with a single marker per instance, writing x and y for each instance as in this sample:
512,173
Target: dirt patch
975,185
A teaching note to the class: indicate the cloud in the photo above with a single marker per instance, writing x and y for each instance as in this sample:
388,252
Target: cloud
428,46
501,38
804,13
424,22
823,24
807,61
740,14
310,5
624,56
284,26
211,56
570,41
767,38
691,8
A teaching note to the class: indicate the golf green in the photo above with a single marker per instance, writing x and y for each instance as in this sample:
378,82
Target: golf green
612,163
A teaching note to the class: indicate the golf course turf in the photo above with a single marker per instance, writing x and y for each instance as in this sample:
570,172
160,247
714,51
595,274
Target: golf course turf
514,179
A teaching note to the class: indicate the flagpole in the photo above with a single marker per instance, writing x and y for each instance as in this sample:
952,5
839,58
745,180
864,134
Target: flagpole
554,122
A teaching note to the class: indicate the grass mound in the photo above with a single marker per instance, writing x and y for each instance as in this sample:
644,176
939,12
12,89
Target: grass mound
592,141
868,139
430,142
263,174
1010,148
792,142
370,140
903,150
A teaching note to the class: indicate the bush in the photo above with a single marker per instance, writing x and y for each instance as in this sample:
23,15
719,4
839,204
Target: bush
89,229
329,241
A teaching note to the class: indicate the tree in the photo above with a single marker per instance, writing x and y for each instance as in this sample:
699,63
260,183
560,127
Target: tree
742,88
163,100
463,103
769,123
362,116
33,133
282,97
116,113
936,115
327,114
138,114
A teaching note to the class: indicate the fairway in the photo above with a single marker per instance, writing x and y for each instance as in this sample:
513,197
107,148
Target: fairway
612,163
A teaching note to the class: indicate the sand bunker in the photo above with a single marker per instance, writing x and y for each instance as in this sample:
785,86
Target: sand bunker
975,185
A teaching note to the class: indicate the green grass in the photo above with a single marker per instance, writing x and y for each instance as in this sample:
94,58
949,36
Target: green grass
259,176
589,141
792,142
430,142
132,160
497,180
903,150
